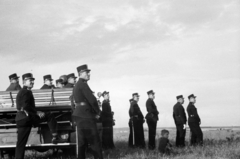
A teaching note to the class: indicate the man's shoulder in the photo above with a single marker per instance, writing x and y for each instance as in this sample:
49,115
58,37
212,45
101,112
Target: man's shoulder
176,105
149,101
24,92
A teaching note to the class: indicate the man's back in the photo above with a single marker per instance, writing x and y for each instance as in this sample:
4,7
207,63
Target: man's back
13,87
179,114
86,102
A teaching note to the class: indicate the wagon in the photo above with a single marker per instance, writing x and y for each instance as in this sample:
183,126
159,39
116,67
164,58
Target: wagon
57,101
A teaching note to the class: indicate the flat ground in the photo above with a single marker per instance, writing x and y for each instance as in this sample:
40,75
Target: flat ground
218,143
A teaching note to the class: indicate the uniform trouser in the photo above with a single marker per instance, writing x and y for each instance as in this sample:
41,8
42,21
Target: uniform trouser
100,130
24,128
107,136
152,125
196,133
180,138
136,130
88,135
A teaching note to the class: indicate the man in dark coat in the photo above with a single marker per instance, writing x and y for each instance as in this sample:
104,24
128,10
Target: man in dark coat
47,82
136,139
152,118
14,83
71,81
107,121
85,114
27,116
180,120
194,122
130,124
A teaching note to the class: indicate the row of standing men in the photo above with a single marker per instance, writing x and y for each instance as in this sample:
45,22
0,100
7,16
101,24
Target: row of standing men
136,136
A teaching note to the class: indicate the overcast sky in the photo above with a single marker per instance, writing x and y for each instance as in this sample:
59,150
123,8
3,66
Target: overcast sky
173,47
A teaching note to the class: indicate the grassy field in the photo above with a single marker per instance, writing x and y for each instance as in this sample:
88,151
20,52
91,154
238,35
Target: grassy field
218,144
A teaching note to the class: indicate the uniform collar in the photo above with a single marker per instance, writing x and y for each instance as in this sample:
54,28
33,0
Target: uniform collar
83,80
25,87
106,100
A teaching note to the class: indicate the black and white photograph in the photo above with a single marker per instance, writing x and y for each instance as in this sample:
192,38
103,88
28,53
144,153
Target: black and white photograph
127,79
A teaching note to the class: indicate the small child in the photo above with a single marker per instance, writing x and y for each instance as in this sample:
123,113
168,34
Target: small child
164,145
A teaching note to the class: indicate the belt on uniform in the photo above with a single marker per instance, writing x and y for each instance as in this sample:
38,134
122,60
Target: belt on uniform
191,115
81,104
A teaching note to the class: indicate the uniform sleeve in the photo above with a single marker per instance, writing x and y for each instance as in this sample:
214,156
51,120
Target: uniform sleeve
150,107
196,115
26,103
18,87
182,114
91,99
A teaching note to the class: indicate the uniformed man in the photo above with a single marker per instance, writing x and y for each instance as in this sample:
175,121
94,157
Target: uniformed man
194,122
131,141
85,114
180,120
59,83
152,118
14,83
136,122
47,82
71,81
99,121
107,121
27,116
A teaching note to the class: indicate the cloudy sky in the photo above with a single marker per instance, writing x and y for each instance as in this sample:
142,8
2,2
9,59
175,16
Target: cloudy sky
173,47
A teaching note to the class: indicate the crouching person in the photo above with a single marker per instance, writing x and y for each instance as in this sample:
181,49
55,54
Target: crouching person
27,116
164,145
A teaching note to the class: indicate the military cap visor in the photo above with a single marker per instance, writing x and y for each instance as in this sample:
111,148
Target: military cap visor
104,93
191,96
59,81
180,96
83,68
135,94
72,75
13,76
47,77
27,76
150,92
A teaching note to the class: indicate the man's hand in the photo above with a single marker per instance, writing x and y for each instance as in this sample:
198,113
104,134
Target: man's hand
184,126
112,113
41,114
200,123
97,116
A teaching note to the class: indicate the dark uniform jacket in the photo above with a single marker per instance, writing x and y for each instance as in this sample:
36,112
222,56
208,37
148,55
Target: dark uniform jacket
179,114
47,86
135,112
192,113
152,110
107,115
25,101
83,95
69,85
13,87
